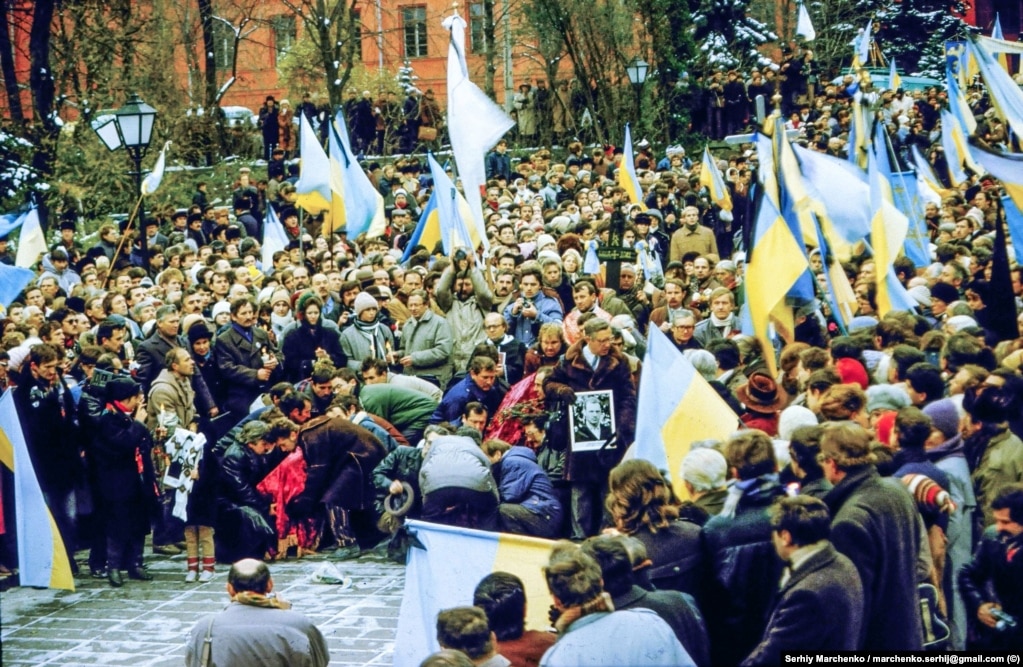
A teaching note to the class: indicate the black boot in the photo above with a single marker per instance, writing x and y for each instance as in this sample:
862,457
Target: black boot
115,578
139,572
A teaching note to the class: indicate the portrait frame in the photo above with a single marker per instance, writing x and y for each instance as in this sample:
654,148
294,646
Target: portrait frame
588,432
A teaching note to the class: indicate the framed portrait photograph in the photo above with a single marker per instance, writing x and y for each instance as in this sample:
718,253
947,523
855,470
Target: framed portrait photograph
591,419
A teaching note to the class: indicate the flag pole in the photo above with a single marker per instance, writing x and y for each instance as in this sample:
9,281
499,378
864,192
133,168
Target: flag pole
120,244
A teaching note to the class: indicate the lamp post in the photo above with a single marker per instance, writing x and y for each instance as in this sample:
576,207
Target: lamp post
131,128
637,71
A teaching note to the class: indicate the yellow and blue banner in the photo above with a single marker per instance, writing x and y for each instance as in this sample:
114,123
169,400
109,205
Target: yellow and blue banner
676,407
888,229
1006,167
953,142
861,46
710,178
454,223
364,205
42,560
445,572
996,33
1006,96
894,78
32,241
625,176
906,199
846,211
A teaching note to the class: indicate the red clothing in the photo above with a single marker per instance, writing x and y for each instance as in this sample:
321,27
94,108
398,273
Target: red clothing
768,423
521,400
282,484
527,650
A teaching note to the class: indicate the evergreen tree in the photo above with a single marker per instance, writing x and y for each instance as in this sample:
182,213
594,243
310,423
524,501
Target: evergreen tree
407,78
914,32
727,36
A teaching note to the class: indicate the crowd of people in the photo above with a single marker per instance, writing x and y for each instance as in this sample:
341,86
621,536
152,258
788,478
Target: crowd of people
348,384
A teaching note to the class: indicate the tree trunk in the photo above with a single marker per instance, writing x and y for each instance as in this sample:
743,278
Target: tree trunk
41,81
210,108
7,65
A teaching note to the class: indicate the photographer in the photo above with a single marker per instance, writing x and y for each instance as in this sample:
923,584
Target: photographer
992,583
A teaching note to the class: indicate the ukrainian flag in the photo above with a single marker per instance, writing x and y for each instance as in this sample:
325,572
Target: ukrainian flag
710,178
319,180
906,199
888,230
953,141
996,33
427,232
1006,96
41,556
445,572
676,407
626,173
364,205
435,221
1006,167
894,79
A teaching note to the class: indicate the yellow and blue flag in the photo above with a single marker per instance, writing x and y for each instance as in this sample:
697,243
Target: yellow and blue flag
676,407
445,572
846,213
626,173
427,231
41,556
996,33
925,173
364,205
455,226
710,178
31,241
861,46
314,189
13,279
953,142
888,229
1006,96
894,78
1006,167
274,238
475,124
906,199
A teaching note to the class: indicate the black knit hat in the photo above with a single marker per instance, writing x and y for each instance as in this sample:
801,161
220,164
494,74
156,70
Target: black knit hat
199,331
122,388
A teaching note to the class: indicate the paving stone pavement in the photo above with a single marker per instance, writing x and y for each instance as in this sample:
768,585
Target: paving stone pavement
145,624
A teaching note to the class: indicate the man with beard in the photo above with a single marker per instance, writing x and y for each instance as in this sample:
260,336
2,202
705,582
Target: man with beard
465,298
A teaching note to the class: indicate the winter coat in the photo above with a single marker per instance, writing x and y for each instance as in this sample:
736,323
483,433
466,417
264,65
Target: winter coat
428,341
299,349
128,488
820,608
526,330
407,409
1000,464
613,373
150,355
358,347
679,611
174,395
238,361
875,524
521,481
402,464
675,554
49,423
340,458
241,469
498,165
745,574
456,461
996,575
465,391
465,318
66,279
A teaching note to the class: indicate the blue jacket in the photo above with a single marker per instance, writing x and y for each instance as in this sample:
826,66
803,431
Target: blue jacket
465,391
526,330
521,481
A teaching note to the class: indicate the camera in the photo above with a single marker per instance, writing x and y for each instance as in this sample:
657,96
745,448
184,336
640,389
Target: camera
1005,621
460,254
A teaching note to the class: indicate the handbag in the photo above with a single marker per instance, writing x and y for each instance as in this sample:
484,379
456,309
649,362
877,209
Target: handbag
206,657
427,133
936,631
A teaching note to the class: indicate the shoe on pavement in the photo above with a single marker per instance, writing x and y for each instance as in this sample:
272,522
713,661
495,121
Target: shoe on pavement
181,545
99,573
346,553
140,573
206,576
191,577
115,578
166,550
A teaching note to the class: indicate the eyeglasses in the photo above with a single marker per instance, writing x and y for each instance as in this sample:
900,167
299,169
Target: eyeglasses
685,327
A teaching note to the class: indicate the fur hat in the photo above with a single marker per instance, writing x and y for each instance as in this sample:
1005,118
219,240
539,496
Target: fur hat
987,404
199,331
364,301
944,292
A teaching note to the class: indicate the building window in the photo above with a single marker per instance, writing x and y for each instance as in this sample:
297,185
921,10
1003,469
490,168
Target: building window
357,34
477,39
285,34
223,45
413,21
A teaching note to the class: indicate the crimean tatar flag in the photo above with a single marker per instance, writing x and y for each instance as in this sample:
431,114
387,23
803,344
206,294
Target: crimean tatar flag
41,555
711,179
626,174
676,407
444,574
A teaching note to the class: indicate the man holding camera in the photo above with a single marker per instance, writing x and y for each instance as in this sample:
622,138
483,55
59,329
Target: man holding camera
992,583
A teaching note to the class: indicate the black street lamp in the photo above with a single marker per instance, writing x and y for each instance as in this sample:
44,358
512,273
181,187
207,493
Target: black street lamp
131,128
637,71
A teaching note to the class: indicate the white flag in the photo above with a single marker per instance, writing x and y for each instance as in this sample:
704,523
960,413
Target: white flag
32,242
274,238
152,181
803,25
475,123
